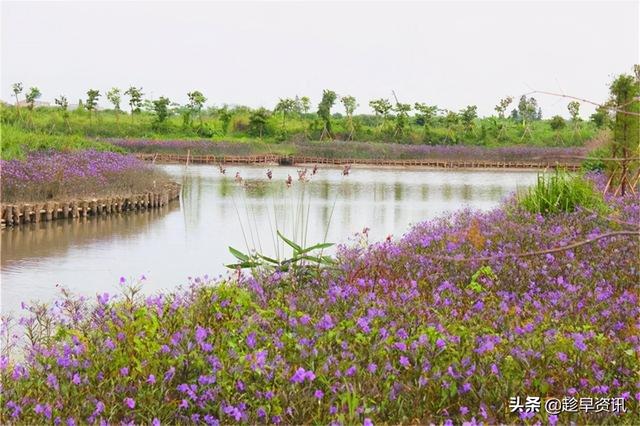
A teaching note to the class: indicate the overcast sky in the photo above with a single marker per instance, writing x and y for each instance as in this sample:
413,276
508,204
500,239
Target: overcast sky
449,54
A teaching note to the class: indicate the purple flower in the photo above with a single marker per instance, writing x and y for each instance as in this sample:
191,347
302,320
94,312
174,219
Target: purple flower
367,422
318,394
440,343
130,402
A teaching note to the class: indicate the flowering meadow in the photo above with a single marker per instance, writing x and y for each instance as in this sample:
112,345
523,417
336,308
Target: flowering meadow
356,150
442,325
45,175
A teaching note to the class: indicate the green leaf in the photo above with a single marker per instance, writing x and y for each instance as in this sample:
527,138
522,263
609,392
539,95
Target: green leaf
238,254
290,243
316,247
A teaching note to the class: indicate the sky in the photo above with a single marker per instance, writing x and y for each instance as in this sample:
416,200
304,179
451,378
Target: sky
449,54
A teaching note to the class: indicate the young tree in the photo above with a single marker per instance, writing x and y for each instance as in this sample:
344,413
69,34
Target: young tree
426,116
503,105
381,107
196,102
350,105
114,97
305,104
135,99
225,118
258,122
161,109
557,122
32,95
601,117
468,115
402,118
324,112
64,106
92,101
17,89
625,97
574,110
285,106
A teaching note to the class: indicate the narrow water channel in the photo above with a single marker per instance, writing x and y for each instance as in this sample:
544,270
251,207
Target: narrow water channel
191,238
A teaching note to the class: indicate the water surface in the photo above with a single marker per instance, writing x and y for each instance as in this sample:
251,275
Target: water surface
190,238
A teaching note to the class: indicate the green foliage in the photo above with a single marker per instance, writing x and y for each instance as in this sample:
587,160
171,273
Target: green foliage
160,107
324,109
527,109
557,122
114,97
135,98
503,105
574,110
32,95
305,262
258,122
561,192
595,161
601,117
402,118
468,115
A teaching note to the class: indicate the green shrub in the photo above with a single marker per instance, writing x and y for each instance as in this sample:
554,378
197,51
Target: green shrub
561,192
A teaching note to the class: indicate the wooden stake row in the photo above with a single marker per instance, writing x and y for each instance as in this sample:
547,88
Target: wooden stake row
16,214
291,160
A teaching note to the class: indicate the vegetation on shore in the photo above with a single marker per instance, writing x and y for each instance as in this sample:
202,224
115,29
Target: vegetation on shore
444,325
291,120
53,175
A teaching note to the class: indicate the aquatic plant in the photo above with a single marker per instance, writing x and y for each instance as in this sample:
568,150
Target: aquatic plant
561,192
443,325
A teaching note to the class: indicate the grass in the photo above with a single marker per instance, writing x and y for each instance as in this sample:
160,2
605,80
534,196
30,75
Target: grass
561,192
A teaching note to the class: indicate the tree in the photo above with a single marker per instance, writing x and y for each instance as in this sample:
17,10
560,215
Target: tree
63,103
503,105
114,97
32,95
135,99
350,105
625,93
527,109
324,112
426,115
557,122
468,115
574,110
381,107
161,109
225,118
285,106
92,101
196,102
402,118
258,122
305,104
601,117
17,89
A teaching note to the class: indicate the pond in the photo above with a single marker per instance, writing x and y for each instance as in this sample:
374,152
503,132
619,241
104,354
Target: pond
190,238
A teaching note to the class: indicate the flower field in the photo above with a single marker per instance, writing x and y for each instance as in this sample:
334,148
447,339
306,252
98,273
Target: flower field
443,325
57,175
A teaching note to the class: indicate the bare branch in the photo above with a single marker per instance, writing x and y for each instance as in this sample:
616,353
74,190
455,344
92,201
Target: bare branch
610,108
539,252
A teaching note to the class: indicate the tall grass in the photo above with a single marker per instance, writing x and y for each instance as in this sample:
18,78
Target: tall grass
561,192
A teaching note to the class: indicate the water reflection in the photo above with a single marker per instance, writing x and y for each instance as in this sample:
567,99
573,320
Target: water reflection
192,237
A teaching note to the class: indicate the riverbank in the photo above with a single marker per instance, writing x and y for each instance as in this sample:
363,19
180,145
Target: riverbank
446,324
